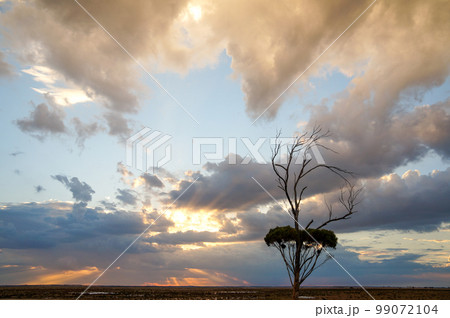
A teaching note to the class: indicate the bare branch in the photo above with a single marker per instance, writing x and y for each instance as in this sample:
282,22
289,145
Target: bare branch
349,202
309,224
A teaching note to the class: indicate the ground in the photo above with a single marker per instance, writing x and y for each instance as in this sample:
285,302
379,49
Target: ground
231,293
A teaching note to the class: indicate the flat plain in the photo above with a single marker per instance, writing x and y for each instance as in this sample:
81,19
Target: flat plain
225,293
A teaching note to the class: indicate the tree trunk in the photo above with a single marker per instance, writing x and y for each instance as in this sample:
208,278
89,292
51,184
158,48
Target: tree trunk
296,288
296,285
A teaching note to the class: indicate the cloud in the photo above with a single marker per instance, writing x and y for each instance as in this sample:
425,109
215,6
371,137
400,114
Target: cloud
412,202
16,153
373,112
6,70
225,187
65,277
377,256
84,131
377,121
81,191
25,226
62,96
109,205
62,38
228,227
58,224
39,188
425,278
43,121
372,146
232,187
152,181
186,237
118,125
58,244
127,196
9,266
244,227
89,67
42,74
429,125
174,39
268,63
123,170
409,202
199,277
255,225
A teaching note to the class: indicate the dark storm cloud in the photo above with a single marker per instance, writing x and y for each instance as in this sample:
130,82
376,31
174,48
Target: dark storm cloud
231,187
43,120
227,187
26,225
400,270
255,225
44,225
81,191
411,202
127,196
187,237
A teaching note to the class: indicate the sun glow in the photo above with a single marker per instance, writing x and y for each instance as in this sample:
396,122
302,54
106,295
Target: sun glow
201,277
190,247
193,221
63,277
195,12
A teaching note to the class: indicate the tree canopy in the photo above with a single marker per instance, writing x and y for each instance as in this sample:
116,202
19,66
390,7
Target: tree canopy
285,234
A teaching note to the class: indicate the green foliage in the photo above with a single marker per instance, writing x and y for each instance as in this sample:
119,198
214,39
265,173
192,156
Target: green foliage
288,235
281,235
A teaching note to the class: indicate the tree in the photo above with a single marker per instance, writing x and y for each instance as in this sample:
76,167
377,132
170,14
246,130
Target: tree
302,247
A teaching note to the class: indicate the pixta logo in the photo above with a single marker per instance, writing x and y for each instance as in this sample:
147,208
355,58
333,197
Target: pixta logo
141,150
253,150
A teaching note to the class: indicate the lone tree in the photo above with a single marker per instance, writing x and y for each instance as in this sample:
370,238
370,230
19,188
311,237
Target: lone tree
302,247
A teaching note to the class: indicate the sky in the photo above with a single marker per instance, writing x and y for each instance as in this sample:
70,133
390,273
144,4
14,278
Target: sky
79,78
